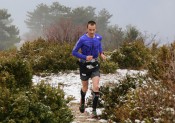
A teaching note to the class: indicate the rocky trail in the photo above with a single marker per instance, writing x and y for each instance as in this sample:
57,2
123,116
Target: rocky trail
83,117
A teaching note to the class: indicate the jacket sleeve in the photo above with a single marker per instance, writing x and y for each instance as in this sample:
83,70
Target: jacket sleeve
76,49
100,46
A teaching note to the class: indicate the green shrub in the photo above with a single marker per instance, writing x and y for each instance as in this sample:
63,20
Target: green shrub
138,98
41,104
162,65
148,103
14,72
7,80
108,67
115,96
47,56
132,55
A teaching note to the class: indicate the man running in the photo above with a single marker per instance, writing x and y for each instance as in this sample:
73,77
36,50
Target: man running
90,45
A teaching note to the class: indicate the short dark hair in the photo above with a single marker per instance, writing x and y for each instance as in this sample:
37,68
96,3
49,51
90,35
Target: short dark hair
91,22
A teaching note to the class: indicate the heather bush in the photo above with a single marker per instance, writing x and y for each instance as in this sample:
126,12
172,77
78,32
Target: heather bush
7,80
48,56
42,104
132,55
152,102
163,65
115,95
14,72
108,67
138,98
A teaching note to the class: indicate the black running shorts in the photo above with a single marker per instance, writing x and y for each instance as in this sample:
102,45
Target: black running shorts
86,73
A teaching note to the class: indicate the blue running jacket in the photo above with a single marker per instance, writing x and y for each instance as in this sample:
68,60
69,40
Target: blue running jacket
88,46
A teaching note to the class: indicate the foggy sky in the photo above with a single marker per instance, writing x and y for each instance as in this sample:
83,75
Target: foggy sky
154,17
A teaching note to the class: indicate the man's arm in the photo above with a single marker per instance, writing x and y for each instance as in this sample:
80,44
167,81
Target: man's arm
76,49
101,52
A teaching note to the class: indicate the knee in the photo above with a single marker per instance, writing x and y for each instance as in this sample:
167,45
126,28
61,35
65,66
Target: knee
96,88
84,89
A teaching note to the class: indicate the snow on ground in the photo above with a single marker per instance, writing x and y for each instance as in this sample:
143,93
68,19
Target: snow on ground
72,84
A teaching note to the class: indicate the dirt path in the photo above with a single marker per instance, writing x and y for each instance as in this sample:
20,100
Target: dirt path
82,117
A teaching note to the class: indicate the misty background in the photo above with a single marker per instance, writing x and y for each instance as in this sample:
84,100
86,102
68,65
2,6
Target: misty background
153,17
132,31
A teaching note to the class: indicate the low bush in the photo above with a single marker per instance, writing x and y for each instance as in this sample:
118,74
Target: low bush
115,95
108,67
162,67
14,72
139,99
46,56
150,103
132,55
41,104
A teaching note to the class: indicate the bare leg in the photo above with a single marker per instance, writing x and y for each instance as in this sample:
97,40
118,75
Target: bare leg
84,86
95,82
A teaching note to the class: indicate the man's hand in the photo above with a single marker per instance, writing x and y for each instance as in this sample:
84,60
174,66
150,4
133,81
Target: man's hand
103,56
89,58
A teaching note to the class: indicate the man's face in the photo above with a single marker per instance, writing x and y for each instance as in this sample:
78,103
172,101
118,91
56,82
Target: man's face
91,29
